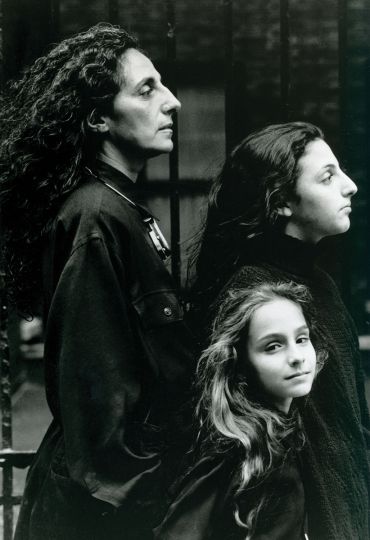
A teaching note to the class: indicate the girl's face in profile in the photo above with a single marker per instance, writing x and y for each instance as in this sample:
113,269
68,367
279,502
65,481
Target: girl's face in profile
324,195
280,351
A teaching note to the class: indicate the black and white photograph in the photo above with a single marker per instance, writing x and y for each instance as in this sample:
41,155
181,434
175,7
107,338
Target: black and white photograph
184,269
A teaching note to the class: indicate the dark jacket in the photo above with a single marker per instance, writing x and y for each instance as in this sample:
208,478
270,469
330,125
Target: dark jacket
205,503
118,359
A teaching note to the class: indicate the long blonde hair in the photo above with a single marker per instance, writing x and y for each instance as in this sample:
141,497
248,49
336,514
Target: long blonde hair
232,410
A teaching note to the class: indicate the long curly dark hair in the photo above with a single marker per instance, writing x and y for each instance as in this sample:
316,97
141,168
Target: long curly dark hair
258,176
45,143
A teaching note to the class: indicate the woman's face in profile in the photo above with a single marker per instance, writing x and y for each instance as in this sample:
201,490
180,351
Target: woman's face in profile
141,119
323,196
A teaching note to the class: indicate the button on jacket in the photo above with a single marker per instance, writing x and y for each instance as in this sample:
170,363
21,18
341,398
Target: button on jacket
118,360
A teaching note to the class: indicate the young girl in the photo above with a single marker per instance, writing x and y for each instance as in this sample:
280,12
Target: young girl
246,482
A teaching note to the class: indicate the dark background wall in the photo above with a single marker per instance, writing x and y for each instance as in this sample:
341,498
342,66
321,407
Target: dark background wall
321,76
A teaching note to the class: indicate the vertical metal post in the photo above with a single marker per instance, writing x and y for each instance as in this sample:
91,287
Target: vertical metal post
344,133
229,74
367,183
285,82
54,20
5,384
174,155
112,11
6,421
1,45
342,71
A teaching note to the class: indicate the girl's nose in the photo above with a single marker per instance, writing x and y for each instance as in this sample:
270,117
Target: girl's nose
296,356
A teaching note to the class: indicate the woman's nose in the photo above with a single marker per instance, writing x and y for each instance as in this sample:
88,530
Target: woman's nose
349,187
171,103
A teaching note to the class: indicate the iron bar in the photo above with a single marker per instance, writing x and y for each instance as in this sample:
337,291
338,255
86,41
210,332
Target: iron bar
54,20
285,68
112,11
16,458
5,388
6,420
342,70
346,277
1,45
229,74
187,187
174,155
367,183
14,500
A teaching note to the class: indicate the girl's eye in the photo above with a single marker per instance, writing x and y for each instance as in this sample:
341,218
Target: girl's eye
303,339
327,178
272,347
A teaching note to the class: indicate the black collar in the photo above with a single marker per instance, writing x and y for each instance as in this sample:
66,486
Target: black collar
112,175
120,182
283,251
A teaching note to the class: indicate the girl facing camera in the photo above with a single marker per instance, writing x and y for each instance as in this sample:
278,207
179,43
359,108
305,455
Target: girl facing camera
246,481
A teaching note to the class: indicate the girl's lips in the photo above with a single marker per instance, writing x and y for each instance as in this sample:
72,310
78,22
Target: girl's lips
300,374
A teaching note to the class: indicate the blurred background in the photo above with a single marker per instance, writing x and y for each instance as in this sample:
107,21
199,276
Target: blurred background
236,66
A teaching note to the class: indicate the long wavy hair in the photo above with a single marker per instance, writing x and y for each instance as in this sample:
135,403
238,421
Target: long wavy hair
45,144
257,178
234,413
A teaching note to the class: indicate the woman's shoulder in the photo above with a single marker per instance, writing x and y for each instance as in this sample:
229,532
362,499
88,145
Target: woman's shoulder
92,209
93,199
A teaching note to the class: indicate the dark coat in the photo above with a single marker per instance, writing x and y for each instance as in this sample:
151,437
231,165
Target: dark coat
118,360
205,503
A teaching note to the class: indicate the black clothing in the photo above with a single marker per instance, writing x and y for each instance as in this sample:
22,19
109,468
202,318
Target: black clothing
204,508
335,416
118,360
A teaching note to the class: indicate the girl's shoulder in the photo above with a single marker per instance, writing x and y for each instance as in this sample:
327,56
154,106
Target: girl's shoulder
251,275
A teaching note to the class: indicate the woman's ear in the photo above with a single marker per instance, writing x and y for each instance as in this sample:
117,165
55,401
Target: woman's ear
284,211
97,122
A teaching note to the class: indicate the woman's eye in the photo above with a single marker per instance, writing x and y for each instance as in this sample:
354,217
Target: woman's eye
303,339
146,90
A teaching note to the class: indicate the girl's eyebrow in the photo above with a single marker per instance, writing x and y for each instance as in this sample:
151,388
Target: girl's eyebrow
273,335
279,335
329,166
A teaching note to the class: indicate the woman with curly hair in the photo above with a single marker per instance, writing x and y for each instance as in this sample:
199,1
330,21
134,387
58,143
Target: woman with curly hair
76,130
280,192
246,483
